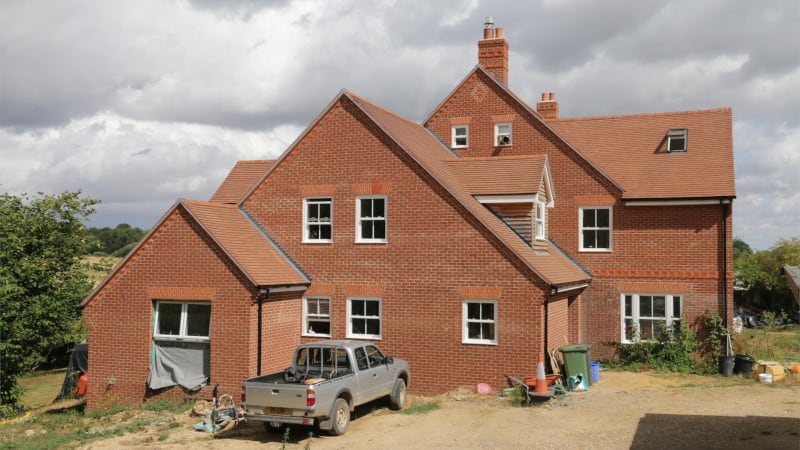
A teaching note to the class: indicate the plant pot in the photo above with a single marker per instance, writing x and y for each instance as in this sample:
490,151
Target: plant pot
743,365
726,364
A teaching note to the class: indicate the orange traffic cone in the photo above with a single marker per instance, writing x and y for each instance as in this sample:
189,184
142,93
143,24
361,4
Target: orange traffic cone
541,381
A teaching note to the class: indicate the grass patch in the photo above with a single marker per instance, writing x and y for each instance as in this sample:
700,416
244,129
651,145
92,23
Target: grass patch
421,408
166,405
41,388
780,344
72,428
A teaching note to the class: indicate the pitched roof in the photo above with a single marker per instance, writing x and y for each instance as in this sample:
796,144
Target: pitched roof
506,175
240,179
631,150
552,266
532,114
248,247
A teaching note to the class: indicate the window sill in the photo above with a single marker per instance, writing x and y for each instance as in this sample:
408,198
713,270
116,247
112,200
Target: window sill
316,335
309,241
595,250
372,242
492,343
199,340
363,337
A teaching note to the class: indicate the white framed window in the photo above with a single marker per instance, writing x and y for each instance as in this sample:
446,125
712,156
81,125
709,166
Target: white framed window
479,322
644,316
460,136
539,220
502,134
371,219
318,219
677,140
316,316
182,321
364,318
595,228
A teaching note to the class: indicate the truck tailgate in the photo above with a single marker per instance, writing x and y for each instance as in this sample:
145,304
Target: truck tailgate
275,398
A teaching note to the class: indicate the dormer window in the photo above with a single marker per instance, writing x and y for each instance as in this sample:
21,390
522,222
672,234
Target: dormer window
539,220
502,134
676,140
460,136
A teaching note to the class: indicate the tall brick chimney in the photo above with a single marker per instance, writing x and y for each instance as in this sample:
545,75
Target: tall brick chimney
548,107
493,51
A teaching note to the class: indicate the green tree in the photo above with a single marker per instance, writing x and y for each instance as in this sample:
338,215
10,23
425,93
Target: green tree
760,273
42,279
116,241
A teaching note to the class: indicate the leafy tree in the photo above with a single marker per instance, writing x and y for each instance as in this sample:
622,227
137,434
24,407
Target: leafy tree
42,280
760,273
114,241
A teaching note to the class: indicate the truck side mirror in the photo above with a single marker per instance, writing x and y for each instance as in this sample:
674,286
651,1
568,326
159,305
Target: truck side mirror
389,360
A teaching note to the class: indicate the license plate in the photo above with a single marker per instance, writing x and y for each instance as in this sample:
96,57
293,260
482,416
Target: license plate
278,411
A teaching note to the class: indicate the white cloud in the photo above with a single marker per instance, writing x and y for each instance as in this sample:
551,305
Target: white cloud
139,103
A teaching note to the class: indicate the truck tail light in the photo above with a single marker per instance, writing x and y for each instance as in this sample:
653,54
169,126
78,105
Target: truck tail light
244,396
311,398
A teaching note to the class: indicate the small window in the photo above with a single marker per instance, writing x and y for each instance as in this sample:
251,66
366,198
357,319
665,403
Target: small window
595,229
502,134
460,136
371,217
318,220
479,322
317,317
676,140
364,318
182,321
540,220
646,317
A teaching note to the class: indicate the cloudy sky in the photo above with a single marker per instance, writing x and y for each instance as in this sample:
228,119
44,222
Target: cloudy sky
139,103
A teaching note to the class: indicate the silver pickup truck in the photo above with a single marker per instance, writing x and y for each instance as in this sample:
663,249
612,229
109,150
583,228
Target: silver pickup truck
326,381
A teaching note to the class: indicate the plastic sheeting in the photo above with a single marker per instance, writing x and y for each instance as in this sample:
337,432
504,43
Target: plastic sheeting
78,364
179,363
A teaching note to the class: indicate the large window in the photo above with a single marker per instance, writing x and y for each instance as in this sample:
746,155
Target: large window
181,345
595,228
371,218
186,321
317,317
646,316
502,134
364,318
318,220
479,322
460,136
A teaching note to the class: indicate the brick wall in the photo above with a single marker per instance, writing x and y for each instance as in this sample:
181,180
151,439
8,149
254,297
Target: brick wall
433,260
682,244
178,260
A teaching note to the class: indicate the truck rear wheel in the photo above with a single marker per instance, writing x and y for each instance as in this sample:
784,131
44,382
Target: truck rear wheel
340,417
397,399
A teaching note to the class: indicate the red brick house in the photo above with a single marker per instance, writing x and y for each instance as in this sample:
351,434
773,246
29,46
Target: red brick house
466,244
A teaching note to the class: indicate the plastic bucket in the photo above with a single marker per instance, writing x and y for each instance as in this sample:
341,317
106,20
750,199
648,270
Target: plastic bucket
726,365
743,365
765,378
595,371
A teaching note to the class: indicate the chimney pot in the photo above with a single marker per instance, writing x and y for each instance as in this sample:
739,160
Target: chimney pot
498,33
548,107
544,96
552,96
488,33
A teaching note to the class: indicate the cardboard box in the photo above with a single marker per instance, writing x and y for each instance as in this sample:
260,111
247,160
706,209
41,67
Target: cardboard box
771,367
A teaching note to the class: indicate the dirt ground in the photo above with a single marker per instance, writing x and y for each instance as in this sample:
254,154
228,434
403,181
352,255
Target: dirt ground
623,410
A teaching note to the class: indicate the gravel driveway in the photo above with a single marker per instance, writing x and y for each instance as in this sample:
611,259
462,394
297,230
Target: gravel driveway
623,410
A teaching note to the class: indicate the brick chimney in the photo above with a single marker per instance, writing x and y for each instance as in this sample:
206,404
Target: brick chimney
548,107
493,51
